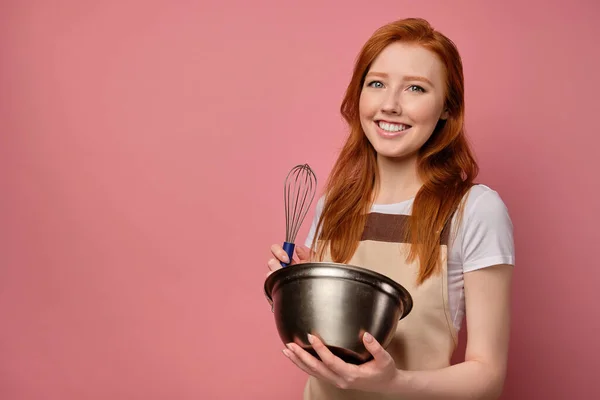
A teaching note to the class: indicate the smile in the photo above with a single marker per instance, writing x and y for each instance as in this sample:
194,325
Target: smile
389,129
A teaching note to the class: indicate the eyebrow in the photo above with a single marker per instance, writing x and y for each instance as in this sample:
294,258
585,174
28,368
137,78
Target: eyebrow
406,78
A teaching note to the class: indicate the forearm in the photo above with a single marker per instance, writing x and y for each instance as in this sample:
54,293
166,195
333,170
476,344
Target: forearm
467,380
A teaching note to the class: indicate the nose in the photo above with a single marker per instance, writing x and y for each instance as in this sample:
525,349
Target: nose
391,103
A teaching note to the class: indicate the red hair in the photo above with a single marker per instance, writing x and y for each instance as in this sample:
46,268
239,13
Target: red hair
446,165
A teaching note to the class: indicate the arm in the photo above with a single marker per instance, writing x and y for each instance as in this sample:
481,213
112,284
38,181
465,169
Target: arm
487,238
481,375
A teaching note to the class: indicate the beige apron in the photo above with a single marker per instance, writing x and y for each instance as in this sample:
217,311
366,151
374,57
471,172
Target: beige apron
426,338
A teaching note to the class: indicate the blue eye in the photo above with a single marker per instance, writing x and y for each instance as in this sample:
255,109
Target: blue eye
416,88
373,83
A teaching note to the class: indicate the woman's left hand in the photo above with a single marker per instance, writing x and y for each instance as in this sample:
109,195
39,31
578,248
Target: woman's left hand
377,374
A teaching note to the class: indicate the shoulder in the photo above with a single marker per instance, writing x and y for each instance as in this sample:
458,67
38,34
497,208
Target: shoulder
320,203
313,226
481,201
485,234
318,208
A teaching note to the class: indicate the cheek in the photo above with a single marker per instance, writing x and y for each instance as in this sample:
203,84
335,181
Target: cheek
424,111
367,106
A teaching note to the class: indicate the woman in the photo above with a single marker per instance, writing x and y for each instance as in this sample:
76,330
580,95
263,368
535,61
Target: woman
405,176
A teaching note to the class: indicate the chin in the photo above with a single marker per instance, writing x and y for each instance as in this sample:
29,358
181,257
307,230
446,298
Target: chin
389,153
396,153
392,150
388,149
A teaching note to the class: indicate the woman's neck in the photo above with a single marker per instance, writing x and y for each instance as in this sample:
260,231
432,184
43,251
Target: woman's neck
398,179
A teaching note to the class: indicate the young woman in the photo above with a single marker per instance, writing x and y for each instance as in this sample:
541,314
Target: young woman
401,200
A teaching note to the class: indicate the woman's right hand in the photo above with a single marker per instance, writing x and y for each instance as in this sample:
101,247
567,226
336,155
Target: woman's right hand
279,255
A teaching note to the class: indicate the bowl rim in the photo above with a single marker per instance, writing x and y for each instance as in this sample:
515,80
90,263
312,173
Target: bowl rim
368,276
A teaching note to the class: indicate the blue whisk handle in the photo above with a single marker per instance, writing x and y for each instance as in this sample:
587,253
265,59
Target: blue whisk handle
289,249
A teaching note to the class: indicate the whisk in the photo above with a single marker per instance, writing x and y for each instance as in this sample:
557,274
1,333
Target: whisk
299,192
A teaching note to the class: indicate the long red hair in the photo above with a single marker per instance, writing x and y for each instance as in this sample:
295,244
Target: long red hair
445,162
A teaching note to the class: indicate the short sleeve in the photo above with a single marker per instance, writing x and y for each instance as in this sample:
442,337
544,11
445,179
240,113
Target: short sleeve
487,237
315,222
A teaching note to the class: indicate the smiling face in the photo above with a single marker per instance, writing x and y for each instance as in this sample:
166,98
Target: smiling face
402,99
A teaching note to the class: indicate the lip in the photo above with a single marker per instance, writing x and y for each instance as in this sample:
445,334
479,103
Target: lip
391,122
387,134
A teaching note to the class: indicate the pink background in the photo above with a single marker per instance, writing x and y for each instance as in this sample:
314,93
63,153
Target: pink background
144,147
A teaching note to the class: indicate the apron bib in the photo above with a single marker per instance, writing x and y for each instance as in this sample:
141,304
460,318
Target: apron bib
426,338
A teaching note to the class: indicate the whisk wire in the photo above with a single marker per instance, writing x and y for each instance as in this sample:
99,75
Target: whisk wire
299,192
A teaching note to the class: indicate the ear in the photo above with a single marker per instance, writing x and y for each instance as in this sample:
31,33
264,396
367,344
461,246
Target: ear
445,114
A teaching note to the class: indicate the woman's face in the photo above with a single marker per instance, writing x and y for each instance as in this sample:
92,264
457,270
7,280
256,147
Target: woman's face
402,99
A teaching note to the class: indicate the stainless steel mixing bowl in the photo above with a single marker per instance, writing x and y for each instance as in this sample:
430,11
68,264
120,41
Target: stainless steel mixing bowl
337,303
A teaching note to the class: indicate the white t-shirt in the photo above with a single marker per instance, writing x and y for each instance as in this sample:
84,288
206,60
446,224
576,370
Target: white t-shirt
484,238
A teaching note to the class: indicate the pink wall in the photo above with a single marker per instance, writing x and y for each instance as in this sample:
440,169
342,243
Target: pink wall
134,251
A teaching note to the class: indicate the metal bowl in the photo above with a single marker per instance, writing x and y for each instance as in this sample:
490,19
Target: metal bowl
337,303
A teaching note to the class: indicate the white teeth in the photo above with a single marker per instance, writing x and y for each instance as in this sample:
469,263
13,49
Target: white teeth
391,127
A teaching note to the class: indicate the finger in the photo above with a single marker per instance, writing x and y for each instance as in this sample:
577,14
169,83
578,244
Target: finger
274,264
330,360
290,354
380,356
304,253
280,254
314,366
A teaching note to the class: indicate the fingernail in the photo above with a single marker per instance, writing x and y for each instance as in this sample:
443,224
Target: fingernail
311,338
286,353
285,257
289,346
368,338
